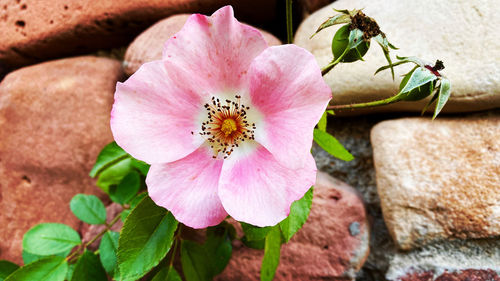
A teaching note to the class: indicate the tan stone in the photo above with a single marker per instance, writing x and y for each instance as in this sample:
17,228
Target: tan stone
438,179
54,120
463,34
332,245
33,31
148,45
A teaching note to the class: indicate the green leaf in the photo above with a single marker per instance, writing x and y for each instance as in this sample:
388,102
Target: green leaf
167,274
107,251
133,203
145,239
6,268
271,258
255,233
322,122
46,269
384,43
219,249
114,174
415,79
299,212
89,268
349,45
69,273
88,208
337,19
29,257
444,95
109,155
142,167
255,244
331,145
50,238
126,189
194,260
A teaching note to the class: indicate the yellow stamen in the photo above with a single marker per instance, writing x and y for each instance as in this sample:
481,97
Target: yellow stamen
228,126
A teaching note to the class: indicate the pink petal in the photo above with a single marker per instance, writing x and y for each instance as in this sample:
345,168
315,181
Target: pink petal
188,188
217,49
257,189
289,91
154,114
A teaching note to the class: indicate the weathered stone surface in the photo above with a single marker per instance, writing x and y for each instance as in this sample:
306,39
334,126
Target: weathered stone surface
333,244
54,120
462,33
449,261
439,179
36,30
148,45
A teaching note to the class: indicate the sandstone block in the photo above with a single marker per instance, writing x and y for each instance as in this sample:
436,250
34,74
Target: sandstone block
438,179
54,120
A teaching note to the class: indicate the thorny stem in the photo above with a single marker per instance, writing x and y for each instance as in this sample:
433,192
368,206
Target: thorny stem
84,246
289,22
364,104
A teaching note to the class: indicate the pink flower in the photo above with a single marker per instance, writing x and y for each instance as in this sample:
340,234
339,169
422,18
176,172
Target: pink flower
225,121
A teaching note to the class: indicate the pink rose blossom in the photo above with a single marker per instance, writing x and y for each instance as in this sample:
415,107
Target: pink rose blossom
225,121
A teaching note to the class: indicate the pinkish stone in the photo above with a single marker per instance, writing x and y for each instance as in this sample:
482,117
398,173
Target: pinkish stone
148,45
54,120
332,245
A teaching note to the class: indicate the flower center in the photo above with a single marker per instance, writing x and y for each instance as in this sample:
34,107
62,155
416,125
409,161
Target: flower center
226,126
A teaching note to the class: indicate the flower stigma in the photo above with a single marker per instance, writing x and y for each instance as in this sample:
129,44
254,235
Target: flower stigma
226,126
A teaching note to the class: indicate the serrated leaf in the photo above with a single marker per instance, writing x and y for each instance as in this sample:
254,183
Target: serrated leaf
109,155
331,145
271,258
299,212
322,122
444,95
167,274
50,239
337,19
126,189
6,268
255,233
419,77
194,262
46,269
89,268
142,167
88,208
145,239
107,251
132,204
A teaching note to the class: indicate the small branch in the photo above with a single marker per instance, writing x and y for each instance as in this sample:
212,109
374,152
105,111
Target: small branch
364,104
289,22
84,246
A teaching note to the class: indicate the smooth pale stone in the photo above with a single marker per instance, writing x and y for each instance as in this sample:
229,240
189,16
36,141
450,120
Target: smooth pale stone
54,121
148,46
438,179
462,33
332,245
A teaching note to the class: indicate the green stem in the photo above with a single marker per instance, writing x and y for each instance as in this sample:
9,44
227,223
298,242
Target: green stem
84,246
364,104
332,64
289,22
176,242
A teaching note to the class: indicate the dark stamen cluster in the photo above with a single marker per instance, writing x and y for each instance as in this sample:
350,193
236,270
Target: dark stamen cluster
226,125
